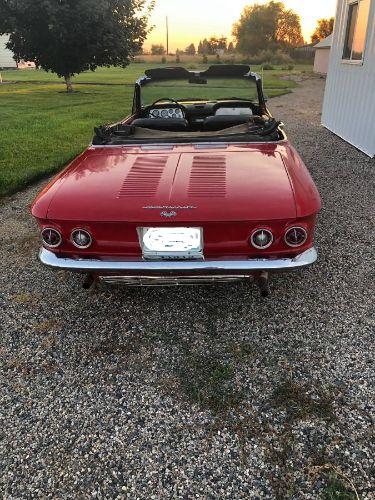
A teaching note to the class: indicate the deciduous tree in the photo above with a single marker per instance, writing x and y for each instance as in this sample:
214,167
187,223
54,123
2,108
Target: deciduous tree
191,50
157,50
270,26
231,48
323,29
67,37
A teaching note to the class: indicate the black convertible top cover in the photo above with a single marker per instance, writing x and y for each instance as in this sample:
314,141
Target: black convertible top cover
215,71
169,73
229,70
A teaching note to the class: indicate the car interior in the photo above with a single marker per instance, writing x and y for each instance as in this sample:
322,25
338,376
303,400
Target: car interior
167,114
168,119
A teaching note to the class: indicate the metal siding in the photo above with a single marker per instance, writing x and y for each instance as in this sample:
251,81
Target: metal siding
349,101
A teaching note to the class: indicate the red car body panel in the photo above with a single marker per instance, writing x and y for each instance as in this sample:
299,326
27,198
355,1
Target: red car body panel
229,183
229,190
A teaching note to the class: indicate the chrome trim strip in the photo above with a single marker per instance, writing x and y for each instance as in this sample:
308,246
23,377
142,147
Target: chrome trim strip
171,280
225,145
49,259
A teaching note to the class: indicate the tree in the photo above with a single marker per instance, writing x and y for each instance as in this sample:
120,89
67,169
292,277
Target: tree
268,26
323,29
191,50
67,37
288,30
204,47
231,48
157,50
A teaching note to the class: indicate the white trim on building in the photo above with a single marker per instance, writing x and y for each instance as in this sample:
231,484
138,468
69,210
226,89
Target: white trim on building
349,101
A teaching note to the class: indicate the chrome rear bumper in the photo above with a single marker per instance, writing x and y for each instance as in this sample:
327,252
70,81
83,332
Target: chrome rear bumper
152,269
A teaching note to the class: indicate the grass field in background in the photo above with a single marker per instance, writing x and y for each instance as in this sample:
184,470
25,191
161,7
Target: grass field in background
43,128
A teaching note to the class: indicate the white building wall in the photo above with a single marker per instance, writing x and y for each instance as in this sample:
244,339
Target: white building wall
321,61
349,101
6,56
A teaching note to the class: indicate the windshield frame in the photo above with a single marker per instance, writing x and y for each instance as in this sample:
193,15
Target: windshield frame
215,71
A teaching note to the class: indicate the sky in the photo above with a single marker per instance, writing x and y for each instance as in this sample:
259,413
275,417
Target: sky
193,20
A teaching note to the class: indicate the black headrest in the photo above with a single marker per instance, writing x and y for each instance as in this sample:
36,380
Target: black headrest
168,124
220,122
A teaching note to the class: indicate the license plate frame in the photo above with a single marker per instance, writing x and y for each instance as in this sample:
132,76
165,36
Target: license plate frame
171,243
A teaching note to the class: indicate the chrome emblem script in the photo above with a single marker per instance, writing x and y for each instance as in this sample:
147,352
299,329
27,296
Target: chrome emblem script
169,211
168,215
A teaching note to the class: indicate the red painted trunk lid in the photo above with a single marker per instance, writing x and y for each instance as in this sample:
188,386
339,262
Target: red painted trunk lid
197,186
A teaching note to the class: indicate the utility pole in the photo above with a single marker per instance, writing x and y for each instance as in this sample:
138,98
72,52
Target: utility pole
167,26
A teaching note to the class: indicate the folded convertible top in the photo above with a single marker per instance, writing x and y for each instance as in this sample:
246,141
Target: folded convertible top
216,71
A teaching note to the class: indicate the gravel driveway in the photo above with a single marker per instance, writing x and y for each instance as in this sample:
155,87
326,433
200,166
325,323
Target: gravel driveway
197,392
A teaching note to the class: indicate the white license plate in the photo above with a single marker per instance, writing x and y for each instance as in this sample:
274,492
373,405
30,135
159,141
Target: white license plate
174,243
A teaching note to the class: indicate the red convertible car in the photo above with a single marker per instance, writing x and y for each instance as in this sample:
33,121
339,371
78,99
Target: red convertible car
199,184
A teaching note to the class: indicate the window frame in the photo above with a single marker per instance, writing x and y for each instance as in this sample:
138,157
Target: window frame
344,60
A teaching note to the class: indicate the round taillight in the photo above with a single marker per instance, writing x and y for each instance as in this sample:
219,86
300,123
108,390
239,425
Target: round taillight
51,237
295,237
262,239
81,238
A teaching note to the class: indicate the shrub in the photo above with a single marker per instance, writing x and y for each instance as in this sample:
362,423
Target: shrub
272,57
163,60
268,67
205,59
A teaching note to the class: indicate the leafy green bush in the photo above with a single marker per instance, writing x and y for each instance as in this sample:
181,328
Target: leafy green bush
268,67
290,67
272,57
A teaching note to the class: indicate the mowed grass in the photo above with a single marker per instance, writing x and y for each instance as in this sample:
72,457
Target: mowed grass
43,128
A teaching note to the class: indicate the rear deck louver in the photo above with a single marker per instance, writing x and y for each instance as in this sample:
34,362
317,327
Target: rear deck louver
144,177
208,177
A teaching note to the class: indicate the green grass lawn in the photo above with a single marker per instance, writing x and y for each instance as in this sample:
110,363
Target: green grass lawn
43,128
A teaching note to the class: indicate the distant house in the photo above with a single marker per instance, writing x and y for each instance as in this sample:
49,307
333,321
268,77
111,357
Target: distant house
322,53
6,56
26,65
349,101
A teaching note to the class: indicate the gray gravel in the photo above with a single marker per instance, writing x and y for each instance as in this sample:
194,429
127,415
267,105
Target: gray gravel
197,392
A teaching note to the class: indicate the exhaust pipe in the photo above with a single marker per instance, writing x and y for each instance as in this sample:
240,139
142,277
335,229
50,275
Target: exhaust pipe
88,282
263,283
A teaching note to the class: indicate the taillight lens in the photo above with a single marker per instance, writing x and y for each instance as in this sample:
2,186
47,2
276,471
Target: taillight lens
81,238
295,237
262,239
51,237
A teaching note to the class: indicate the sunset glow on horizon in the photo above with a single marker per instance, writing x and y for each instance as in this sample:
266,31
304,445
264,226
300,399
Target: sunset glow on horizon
193,20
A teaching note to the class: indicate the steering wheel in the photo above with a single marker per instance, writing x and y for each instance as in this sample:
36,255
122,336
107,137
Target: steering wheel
169,99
